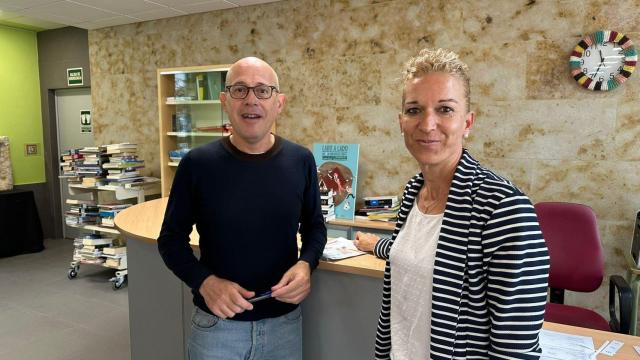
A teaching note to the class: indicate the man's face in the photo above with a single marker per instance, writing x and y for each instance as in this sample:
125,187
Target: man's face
252,118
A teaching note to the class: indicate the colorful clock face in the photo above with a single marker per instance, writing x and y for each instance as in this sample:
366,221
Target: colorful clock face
603,60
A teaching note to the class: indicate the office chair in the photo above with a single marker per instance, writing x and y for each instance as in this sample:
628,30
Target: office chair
577,264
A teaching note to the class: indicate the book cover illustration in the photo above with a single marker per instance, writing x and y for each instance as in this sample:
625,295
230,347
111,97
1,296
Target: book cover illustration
338,171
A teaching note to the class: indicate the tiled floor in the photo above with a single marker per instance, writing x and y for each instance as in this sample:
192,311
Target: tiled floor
45,316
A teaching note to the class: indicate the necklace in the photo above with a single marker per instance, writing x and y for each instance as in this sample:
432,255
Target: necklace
430,206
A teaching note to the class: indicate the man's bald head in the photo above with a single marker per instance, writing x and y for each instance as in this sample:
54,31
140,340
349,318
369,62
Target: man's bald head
253,63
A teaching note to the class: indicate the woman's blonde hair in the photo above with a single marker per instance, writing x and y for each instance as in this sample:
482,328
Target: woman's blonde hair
437,60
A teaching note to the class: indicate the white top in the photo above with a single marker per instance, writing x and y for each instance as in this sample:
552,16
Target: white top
412,258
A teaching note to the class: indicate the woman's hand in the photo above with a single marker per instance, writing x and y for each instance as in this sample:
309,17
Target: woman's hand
365,241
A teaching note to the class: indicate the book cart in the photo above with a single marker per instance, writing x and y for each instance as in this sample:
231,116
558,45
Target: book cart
136,192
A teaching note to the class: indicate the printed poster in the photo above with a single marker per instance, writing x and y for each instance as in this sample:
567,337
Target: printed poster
338,171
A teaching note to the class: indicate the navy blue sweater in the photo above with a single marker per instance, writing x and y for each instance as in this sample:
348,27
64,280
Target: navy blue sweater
247,210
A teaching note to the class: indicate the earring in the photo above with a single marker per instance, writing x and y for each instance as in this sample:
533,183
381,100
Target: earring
466,135
401,133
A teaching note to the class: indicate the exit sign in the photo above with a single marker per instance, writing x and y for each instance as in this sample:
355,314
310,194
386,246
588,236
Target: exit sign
74,77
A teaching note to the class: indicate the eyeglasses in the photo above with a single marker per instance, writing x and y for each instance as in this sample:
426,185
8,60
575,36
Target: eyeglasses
241,91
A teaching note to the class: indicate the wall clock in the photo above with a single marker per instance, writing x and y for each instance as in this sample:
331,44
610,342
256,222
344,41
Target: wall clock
603,60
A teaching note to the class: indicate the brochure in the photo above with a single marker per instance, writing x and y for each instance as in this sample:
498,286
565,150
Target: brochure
338,171
340,248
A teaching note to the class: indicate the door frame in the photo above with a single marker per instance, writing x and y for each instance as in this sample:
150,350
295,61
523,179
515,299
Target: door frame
52,162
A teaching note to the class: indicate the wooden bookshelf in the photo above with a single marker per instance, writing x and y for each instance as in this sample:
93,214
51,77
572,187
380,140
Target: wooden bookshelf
205,109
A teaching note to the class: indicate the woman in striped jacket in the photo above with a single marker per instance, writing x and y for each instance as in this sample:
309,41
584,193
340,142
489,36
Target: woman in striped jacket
469,262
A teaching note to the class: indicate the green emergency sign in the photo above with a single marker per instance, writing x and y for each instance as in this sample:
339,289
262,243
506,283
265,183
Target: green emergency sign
74,77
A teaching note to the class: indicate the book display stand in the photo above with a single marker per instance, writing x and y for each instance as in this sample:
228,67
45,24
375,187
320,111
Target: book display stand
103,181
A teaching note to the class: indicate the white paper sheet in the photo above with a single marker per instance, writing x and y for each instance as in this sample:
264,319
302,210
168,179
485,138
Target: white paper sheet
561,346
340,248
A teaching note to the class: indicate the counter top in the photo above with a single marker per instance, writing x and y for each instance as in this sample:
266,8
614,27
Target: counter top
142,222
371,224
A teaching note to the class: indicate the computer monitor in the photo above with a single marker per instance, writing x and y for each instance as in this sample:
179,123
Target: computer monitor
635,244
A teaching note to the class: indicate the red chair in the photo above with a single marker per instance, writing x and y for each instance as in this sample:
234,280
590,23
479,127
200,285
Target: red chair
577,264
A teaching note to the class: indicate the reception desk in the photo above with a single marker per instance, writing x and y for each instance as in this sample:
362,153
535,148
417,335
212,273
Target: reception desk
339,316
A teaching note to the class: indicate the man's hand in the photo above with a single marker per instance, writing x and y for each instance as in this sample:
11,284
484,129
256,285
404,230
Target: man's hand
365,241
225,298
295,284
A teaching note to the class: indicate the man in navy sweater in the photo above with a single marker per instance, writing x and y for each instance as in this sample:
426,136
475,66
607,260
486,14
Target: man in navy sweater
248,195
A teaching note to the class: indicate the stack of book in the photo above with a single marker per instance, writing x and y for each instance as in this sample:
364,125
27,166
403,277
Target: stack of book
112,164
89,248
115,256
328,207
81,212
108,212
383,208
91,168
69,161
124,165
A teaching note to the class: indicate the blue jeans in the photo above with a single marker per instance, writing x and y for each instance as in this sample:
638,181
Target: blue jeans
277,338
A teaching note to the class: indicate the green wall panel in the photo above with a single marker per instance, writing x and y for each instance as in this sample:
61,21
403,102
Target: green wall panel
20,115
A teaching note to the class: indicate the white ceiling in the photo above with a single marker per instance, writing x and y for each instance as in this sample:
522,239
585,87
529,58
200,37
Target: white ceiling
95,14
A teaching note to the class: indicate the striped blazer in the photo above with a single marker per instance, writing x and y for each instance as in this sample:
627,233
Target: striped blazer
490,275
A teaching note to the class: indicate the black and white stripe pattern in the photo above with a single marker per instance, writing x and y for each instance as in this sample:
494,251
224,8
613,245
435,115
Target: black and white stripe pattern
490,275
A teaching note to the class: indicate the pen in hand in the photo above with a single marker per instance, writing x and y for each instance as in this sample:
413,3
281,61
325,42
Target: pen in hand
262,296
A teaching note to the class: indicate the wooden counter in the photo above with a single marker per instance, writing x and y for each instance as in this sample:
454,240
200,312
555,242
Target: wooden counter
340,314
371,224
143,221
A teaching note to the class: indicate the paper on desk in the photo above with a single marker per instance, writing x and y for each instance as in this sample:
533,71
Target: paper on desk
560,346
340,248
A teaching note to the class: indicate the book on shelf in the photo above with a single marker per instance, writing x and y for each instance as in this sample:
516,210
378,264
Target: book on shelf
328,201
69,162
94,247
117,155
74,179
97,260
92,150
70,153
382,213
124,164
80,202
95,159
378,209
107,221
327,194
82,212
383,217
115,250
93,181
66,167
109,213
338,171
113,206
117,263
123,175
121,146
80,220
326,204
97,241
126,180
